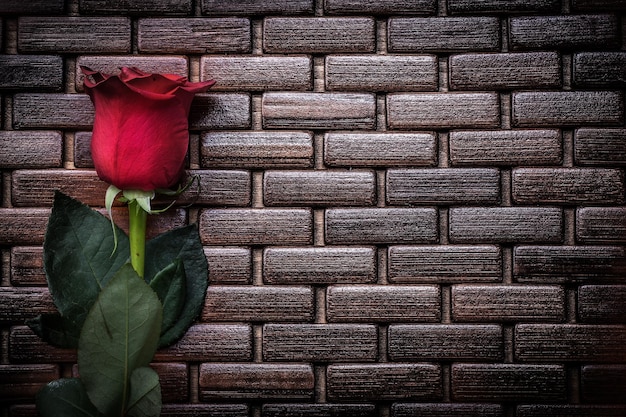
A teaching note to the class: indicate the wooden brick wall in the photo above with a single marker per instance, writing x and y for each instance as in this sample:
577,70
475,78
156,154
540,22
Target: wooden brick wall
409,208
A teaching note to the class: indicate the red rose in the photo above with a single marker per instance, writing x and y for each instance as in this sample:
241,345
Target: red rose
140,131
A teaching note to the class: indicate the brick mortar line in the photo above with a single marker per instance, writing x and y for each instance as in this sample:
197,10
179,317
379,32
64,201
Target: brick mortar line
257,36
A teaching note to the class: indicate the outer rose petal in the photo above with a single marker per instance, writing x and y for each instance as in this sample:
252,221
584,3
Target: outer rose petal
140,133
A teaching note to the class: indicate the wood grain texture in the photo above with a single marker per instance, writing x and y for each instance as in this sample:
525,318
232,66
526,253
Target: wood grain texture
194,36
174,380
20,304
442,186
381,225
446,410
37,72
218,188
379,149
74,35
506,303
26,347
599,69
32,7
52,111
503,6
257,149
381,72
421,342
318,34
27,266
383,304
505,71
597,31
601,224
23,226
570,342
444,263
319,265
602,304
600,146
420,7
320,343
505,147
257,7
255,380
319,188
31,149
443,34
508,382
505,224
229,265
258,73
442,110
318,110
205,410
215,111
319,410
136,7
21,382
578,410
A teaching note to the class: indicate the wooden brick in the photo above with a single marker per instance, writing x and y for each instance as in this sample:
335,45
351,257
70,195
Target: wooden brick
381,72
505,71
258,149
23,226
319,410
565,108
229,265
568,186
504,303
508,382
26,347
111,64
443,186
570,410
503,6
600,146
136,7
74,35
425,7
220,111
446,410
592,69
568,263
194,36
391,382
258,73
31,149
381,225
320,342
601,224
505,224
22,382
82,150
443,34
220,381
320,265
174,380
595,5
257,303
36,188
257,7
380,149
40,72
218,188
27,266
205,410
210,342
564,32
602,303
52,111
319,188
419,342
570,342
256,226
603,383
443,110
383,303
505,147
444,264
23,303
40,7
318,34
319,110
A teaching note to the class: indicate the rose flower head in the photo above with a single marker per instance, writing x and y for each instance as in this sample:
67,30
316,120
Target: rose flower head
140,131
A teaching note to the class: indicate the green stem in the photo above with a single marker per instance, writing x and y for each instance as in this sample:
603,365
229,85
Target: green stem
137,235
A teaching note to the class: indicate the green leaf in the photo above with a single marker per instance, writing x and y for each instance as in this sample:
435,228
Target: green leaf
169,285
55,329
145,393
65,398
182,243
120,334
79,258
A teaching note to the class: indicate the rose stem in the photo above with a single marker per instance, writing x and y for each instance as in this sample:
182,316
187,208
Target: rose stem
137,235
